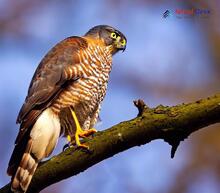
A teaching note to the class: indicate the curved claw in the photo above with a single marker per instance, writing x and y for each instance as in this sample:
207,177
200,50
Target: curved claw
83,146
66,146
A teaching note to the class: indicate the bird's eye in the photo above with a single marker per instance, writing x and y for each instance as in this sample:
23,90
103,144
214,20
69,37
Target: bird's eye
113,35
123,42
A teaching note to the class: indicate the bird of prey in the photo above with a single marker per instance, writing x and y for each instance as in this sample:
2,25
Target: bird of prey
74,74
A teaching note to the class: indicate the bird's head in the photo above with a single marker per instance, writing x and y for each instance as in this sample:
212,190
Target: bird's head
110,36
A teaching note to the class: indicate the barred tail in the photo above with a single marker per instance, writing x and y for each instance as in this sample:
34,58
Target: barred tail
25,171
37,144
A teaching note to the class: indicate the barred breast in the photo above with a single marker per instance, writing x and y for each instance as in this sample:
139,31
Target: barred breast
86,93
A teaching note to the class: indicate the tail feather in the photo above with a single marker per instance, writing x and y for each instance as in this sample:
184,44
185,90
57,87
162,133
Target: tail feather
25,171
35,145
17,154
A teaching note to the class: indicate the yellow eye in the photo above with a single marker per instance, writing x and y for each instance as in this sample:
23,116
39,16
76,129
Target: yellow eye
113,35
123,42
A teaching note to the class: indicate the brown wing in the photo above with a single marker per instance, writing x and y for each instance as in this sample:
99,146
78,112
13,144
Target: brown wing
49,80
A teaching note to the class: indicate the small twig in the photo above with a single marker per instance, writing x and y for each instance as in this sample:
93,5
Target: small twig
141,106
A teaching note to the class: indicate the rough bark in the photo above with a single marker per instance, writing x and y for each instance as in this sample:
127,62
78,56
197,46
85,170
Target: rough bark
172,124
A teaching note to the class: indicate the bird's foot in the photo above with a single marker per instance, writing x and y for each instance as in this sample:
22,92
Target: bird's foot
80,133
83,134
69,144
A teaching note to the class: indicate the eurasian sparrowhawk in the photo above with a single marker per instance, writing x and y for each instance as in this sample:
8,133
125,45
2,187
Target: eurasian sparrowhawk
74,74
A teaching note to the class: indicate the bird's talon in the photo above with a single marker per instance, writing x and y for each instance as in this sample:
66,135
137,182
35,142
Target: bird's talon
83,146
80,133
66,146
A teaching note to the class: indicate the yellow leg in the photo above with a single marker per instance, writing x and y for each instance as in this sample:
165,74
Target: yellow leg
68,138
69,144
80,132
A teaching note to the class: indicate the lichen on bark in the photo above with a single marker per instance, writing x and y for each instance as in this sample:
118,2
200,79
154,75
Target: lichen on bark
172,124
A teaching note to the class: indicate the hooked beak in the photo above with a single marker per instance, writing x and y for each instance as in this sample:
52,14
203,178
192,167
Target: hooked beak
122,48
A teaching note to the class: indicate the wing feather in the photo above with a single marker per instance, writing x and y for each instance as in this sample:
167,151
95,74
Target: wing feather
49,80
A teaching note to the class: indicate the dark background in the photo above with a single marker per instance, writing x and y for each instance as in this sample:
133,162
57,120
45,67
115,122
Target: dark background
168,61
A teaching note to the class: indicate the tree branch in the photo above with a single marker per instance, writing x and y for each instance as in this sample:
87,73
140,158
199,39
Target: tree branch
172,124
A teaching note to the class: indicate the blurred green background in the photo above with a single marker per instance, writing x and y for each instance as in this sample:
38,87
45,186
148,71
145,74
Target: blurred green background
168,61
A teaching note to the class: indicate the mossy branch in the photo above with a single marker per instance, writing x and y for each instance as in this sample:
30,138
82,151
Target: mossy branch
172,124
